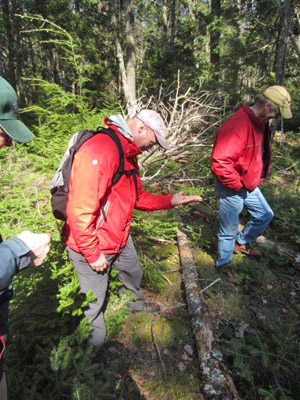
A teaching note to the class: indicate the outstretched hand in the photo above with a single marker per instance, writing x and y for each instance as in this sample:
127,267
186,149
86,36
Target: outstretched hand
181,198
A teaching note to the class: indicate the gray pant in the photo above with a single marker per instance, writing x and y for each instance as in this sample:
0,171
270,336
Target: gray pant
130,275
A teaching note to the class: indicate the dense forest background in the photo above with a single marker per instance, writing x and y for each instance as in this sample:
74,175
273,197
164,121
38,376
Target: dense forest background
74,62
109,51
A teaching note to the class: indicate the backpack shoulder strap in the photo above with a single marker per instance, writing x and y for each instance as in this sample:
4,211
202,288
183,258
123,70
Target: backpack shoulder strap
112,134
120,171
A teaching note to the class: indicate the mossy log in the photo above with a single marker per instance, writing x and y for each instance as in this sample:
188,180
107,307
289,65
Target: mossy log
272,247
217,383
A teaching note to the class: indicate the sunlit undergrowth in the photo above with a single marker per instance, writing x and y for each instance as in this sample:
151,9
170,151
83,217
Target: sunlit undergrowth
48,356
258,322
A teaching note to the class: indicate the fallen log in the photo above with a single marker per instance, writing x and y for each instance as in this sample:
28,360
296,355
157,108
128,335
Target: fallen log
272,247
217,383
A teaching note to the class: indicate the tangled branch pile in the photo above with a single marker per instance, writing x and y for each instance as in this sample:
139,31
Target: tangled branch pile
190,119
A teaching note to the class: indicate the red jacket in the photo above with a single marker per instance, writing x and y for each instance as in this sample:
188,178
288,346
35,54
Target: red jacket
93,168
238,159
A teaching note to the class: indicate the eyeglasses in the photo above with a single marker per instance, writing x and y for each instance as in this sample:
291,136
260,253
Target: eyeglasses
152,132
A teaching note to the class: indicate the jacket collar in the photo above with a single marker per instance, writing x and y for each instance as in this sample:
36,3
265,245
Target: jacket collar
129,147
257,122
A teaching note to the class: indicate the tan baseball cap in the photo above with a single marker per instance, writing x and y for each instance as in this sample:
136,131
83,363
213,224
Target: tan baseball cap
280,96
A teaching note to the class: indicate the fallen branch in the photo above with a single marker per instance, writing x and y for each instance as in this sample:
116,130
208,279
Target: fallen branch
272,247
217,382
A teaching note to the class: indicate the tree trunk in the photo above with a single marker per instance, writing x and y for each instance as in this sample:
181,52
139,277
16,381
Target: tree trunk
11,76
286,10
131,58
214,34
17,9
173,24
127,82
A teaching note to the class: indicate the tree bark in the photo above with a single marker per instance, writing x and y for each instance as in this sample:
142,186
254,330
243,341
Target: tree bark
295,45
17,9
11,76
217,382
286,10
173,24
214,34
127,82
131,57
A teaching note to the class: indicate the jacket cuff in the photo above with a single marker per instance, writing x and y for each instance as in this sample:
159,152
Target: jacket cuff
168,201
20,251
93,257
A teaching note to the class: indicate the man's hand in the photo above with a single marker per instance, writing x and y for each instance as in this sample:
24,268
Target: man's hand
38,244
99,265
180,198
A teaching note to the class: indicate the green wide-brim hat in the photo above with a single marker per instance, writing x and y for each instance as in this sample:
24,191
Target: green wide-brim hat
8,114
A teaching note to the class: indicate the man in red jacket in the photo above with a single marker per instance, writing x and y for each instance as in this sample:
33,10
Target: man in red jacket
99,214
241,161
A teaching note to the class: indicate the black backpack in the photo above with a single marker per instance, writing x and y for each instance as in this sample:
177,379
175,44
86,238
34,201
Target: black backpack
60,184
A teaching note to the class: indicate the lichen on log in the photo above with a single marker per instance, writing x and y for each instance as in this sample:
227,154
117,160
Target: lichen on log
217,382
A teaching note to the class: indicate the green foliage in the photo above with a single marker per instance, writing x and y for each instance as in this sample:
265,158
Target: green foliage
116,313
48,356
148,230
270,361
284,195
71,81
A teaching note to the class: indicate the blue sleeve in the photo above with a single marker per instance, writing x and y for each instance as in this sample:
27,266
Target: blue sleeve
14,256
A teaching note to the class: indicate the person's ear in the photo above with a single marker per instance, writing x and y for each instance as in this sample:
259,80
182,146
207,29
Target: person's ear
142,128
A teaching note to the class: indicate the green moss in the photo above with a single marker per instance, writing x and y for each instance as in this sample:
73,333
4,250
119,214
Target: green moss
205,264
230,307
180,386
164,330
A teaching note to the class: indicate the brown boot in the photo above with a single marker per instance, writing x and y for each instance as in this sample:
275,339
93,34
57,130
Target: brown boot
246,249
229,272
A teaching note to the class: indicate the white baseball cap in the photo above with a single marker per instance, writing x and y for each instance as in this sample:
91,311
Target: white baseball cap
155,122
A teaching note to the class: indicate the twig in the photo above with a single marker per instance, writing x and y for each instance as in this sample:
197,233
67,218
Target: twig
210,285
158,352
168,280
123,383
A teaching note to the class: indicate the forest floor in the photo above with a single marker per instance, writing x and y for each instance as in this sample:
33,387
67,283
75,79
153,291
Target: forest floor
153,356
255,322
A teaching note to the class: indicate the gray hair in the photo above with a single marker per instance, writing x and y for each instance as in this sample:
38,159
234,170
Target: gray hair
260,100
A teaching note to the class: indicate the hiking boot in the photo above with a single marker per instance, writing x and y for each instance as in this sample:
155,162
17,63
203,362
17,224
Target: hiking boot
229,272
148,307
247,250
